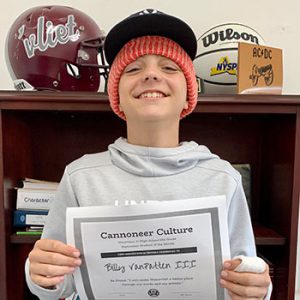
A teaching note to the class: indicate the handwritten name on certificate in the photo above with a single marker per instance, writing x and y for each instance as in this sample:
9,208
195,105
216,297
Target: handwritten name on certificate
159,250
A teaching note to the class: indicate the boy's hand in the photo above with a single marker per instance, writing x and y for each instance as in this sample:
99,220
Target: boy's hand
244,285
50,260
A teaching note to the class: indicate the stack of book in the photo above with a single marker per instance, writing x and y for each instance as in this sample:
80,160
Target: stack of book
33,202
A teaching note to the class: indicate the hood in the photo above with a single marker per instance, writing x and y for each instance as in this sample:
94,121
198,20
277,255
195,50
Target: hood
151,162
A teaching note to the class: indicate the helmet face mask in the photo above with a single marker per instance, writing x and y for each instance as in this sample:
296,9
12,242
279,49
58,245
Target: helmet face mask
56,48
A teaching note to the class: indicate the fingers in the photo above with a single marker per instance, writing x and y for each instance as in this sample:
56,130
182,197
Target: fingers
49,270
245,285
50,260
231,264
38,255
237,297
250,264
237,291
247,279
57,247
45,281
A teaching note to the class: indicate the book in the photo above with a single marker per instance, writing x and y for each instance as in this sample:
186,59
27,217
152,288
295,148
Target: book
30,183
35,228
24,218
28,232
34,199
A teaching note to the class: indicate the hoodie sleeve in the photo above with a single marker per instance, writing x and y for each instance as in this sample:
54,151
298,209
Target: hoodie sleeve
239,225
242,240
55,229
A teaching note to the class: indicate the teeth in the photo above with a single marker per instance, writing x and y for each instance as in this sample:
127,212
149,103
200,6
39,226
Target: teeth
152,95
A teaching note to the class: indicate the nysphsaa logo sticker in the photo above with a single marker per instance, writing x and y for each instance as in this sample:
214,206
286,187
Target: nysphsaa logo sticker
153,293
224,66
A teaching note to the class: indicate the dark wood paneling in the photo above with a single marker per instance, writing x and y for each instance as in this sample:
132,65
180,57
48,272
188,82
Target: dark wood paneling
4,233
44,131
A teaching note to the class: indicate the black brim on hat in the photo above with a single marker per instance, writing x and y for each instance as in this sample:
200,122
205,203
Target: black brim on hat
149,22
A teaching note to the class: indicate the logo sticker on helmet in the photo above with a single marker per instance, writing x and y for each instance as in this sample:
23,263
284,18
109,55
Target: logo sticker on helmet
58,34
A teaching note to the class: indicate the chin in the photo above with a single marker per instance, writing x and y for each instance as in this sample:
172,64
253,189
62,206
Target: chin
158,117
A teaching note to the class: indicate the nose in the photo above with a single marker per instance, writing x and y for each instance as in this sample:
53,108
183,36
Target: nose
151,74
150,77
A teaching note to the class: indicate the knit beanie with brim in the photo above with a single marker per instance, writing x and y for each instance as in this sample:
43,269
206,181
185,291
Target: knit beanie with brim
168,36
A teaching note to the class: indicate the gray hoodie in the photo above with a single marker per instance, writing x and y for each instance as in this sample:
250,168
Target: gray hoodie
134,173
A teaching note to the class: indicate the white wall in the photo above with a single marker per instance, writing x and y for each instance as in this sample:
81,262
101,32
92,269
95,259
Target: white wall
276,20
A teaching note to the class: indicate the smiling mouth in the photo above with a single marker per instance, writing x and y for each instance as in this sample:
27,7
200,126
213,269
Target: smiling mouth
151,95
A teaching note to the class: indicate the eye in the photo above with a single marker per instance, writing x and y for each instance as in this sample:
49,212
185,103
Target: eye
132,68
170,68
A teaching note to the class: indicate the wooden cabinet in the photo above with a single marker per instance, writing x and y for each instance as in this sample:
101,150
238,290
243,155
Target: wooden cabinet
41,132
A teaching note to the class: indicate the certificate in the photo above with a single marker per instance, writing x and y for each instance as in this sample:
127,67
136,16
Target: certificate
159,250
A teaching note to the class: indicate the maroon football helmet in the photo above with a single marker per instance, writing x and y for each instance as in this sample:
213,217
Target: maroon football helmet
56,48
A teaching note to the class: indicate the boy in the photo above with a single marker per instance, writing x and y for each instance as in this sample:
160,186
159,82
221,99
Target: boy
152,85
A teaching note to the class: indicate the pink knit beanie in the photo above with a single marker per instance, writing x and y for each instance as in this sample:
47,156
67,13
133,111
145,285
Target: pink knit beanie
158,45
150,31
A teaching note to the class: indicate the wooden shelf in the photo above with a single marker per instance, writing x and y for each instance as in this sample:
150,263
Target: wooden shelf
24,239
266,236
41,132
92,101
263,236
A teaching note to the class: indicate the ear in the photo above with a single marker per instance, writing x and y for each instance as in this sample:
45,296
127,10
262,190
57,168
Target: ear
186,104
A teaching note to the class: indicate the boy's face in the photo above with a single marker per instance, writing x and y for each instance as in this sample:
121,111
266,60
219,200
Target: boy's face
152,88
